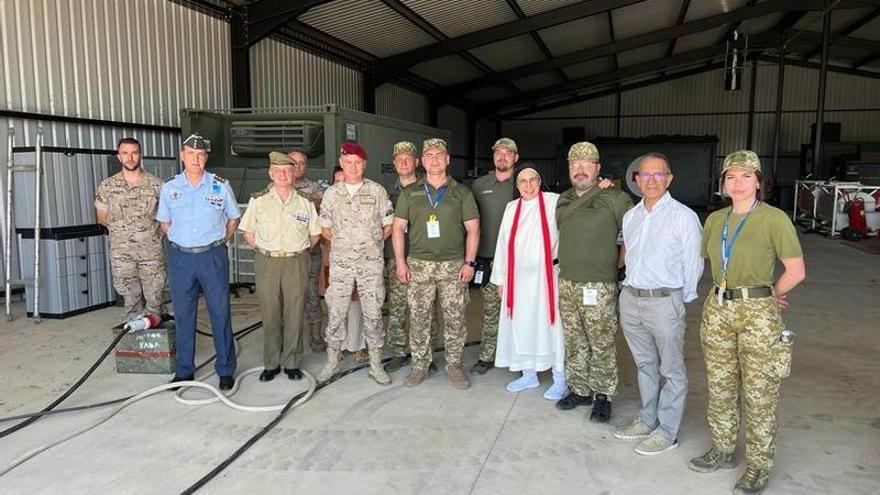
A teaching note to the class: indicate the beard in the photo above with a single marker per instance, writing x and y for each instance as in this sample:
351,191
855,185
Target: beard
131,167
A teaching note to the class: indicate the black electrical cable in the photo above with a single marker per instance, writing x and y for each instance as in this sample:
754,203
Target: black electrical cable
51,410
266,429
71,390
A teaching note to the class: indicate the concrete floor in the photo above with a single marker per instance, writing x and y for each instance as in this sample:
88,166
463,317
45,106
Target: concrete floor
355,436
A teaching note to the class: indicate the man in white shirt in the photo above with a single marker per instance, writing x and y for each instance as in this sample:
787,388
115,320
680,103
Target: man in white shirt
662,242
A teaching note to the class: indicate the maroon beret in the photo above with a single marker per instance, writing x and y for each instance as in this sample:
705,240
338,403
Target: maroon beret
353,148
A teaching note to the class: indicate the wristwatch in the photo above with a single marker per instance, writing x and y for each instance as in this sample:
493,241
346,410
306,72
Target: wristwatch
471,264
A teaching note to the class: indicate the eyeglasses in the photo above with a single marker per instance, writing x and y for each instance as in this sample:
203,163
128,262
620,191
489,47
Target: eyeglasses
658,176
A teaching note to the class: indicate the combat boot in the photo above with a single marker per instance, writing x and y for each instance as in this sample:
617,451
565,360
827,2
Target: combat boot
712,460
457,377
316,341
752,481
396,363
331,367
377,372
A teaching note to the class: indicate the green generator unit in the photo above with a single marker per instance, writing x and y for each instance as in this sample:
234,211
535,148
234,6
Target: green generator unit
241,140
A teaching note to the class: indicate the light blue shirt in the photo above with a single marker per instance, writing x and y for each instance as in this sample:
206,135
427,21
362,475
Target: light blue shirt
198,215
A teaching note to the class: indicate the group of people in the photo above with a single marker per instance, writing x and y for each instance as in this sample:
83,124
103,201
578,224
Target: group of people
547,266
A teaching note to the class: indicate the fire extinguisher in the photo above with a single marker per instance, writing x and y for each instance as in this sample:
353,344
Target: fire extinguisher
858,225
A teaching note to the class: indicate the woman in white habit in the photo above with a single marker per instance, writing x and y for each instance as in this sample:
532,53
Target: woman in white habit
529,330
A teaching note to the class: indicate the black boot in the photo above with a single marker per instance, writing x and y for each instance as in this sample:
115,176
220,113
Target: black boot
573,400
268,375
601,409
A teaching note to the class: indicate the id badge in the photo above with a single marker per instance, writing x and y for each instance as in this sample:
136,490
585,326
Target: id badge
591,296
433,227
478,277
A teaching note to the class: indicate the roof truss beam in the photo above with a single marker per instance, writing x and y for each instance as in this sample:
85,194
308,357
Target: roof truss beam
500,32
846,31
615,47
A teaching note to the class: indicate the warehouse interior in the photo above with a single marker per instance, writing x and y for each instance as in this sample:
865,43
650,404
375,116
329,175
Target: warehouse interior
797,81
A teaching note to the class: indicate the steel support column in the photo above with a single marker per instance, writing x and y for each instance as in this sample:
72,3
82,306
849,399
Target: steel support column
750,132
820,99
780,93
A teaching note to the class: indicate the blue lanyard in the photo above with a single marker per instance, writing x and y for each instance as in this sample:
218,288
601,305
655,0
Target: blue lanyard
441,193
726,248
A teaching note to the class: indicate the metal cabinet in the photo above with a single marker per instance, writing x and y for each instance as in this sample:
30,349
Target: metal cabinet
74,270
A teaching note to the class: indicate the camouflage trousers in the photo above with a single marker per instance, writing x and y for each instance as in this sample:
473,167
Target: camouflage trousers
590,350
140,279
397,338
491,313
743,351
436,280
313,301
367,278
397,331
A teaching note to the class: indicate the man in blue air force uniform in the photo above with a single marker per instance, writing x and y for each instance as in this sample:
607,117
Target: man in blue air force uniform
199,214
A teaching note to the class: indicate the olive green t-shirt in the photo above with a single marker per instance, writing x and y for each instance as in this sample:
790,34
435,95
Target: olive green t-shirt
492,197
457,207
767,235
588,229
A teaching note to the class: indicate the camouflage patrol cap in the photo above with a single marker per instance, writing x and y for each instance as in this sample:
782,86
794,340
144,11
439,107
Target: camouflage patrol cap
278,158
434,143
405,147
743,159
507,143
583,151
197,142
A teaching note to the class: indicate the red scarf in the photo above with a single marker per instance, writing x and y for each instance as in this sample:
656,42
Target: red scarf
548,258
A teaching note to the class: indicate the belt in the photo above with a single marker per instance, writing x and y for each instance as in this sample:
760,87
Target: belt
745,292
198,249
278,254
661,292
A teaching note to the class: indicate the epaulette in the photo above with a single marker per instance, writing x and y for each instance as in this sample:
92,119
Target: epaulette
171,178
219,179
303,194
263,192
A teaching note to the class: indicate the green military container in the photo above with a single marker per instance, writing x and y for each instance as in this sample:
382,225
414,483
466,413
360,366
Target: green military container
150,351
241,140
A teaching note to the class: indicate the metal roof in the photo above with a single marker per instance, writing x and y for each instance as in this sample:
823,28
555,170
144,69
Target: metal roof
458,17
499,55
576,35
367,24
509,53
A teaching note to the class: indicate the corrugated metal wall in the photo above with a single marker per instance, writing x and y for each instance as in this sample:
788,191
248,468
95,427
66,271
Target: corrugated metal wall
286,76
401,103
698,105
125,61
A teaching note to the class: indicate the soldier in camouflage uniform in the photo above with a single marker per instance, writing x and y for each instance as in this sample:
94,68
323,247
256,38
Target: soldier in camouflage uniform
312,191
126,204
492,192
588,215
397,339
745,345
442,220
356,217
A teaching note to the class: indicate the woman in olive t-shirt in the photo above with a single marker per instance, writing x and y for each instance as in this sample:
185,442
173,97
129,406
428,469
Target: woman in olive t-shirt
745,345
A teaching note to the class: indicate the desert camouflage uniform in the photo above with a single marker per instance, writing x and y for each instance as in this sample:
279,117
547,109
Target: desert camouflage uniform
356,259
312,191
436,290
590,350
137,255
